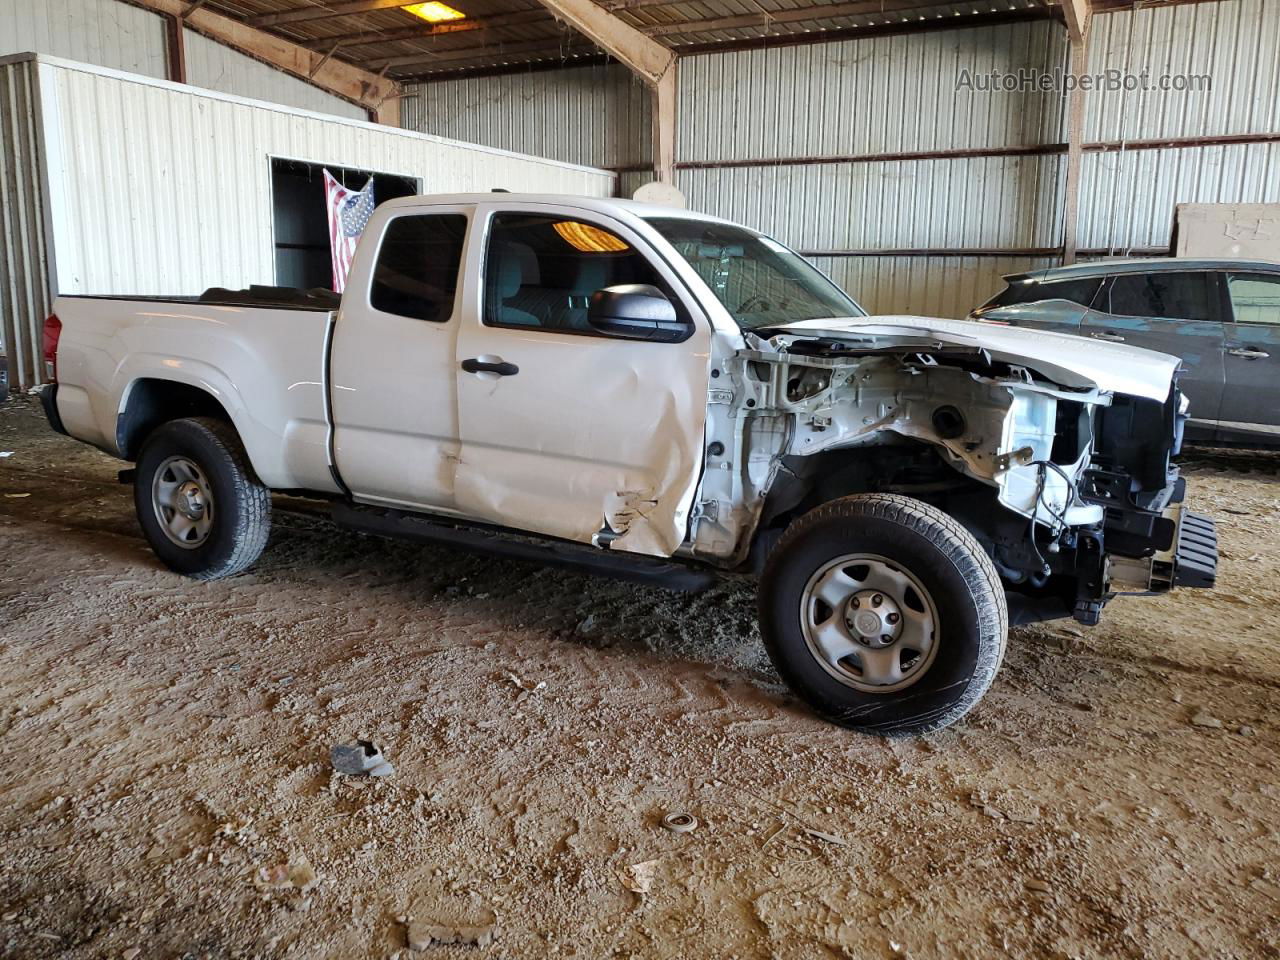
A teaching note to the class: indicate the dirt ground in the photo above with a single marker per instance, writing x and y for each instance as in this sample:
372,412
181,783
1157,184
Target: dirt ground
165,785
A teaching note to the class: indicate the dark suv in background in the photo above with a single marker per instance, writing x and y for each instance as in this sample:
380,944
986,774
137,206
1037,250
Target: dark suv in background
1222,317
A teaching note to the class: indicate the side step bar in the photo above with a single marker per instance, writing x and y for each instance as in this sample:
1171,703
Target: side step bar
633,567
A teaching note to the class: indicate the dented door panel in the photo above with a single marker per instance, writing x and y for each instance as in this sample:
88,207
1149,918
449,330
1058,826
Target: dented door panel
595,439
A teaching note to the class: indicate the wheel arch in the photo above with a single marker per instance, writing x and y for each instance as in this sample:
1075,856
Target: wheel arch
148,402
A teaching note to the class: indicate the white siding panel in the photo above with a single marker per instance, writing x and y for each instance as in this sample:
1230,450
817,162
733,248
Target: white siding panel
215,66
189,204
103,32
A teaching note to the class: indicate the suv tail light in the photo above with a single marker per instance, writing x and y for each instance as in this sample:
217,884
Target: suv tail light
52,332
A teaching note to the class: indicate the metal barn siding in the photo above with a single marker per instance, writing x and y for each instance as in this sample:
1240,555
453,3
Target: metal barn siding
1235,43
858,99
105,32
24,289
598,115
882,94
215,66
1128,195
1131,195
925,286
946,204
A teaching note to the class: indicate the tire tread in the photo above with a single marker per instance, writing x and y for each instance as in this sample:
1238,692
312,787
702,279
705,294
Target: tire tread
963,551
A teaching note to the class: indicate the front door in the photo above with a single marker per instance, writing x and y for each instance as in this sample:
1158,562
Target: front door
1175,313
392,370
1251,400
565,431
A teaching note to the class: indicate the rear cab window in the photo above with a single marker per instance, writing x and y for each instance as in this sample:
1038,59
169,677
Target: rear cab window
417,269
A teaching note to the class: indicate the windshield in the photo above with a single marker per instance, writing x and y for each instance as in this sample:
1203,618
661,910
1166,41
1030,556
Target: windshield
758,280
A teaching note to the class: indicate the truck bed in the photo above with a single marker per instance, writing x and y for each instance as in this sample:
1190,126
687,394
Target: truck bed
262,359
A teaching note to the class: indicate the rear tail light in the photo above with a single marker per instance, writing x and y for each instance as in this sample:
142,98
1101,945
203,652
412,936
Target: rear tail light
52,332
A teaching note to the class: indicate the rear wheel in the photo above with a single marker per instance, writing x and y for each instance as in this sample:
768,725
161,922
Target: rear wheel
200,506
883,614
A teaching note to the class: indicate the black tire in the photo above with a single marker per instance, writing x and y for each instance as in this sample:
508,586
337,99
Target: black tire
241,505
972,617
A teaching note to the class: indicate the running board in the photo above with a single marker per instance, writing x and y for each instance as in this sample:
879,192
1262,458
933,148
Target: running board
633,567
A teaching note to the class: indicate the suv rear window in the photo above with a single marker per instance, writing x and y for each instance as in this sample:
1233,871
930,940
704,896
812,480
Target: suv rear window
1081,291
1170,296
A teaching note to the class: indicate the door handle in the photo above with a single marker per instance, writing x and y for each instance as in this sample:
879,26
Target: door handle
1249,353
1107,335
500,367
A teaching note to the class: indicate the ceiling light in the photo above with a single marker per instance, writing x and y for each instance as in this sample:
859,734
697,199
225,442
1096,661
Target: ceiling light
434,11
588,239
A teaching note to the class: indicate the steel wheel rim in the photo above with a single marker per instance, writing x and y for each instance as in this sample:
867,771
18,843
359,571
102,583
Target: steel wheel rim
183,501
873,647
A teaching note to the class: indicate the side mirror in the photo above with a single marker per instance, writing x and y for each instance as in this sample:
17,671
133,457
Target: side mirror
637,311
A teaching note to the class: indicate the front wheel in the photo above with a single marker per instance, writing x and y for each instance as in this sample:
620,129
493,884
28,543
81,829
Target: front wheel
200,506
883,614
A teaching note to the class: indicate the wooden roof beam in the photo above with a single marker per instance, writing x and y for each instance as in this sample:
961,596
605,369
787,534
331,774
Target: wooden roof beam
1078,14
342,79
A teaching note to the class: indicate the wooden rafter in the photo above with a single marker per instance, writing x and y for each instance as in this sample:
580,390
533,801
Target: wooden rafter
1078,14
338,77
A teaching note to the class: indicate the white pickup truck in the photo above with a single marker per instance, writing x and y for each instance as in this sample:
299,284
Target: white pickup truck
663,396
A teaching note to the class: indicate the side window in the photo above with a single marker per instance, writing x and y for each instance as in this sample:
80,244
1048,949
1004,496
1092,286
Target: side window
1081,292
541,271
1172,296
417,270
1255,298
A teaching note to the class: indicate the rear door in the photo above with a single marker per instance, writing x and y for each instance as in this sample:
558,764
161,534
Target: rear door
392,378
565,431
1174,312
1251,398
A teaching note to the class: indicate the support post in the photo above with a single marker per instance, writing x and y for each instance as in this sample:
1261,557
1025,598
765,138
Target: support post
665,92
1075,150
649,60
175,49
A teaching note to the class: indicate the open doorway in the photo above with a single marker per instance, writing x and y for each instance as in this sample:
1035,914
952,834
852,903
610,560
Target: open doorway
301,223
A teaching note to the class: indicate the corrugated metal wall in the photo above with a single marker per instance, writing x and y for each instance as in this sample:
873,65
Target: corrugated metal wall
112,34
159,188
214,66
105,32
1128,196
853,100
24,294
598,115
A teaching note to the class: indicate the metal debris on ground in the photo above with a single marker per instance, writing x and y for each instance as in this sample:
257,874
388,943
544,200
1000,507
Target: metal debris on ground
678,822
638,877
828,837
359,758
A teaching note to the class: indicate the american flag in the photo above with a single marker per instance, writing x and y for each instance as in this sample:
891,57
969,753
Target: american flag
349,211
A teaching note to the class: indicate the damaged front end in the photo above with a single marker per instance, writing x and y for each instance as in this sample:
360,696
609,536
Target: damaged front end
1065,481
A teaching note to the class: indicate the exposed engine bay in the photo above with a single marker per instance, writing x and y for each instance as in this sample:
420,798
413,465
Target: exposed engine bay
1067,486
